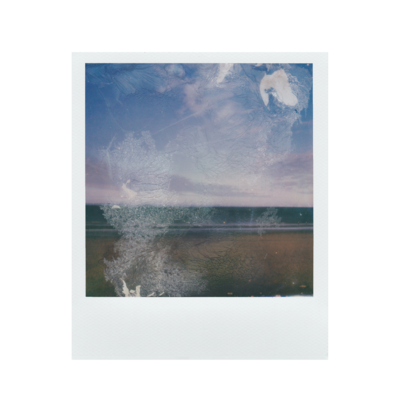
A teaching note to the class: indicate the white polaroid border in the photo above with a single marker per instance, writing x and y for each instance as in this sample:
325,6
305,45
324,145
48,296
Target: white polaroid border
201,328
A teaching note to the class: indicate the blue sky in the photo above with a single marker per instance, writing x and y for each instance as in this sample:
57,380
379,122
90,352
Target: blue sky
199,134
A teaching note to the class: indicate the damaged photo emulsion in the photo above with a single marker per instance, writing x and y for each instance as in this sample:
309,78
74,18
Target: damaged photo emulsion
199,180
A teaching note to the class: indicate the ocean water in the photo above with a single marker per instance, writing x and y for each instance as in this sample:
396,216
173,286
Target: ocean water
185,252
230,215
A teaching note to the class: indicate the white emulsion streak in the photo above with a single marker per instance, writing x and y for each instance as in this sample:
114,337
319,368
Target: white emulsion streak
125,290
130,293
280,82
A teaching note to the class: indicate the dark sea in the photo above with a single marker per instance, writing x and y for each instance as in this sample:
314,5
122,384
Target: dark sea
220,252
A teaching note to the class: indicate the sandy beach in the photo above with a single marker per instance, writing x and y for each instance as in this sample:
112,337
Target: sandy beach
278,263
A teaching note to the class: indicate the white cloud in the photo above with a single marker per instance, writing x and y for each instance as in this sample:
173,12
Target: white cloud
280,82
224,70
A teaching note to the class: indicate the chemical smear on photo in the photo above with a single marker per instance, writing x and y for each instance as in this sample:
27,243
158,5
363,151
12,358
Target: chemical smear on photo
149,208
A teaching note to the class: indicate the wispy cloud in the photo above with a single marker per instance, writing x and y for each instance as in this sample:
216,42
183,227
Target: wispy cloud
181,184
235,126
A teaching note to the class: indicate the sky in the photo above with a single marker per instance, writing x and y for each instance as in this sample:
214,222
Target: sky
199,134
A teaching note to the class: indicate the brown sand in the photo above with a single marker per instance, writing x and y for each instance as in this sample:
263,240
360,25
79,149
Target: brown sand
98,248
276,263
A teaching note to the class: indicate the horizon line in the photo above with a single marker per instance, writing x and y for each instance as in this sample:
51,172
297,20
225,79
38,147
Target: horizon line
200,206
